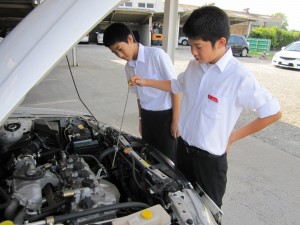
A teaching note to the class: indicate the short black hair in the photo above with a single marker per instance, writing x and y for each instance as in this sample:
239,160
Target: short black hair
208,23
116,32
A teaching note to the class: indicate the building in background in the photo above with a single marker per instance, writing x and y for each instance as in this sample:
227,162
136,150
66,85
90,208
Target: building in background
144,17
255,20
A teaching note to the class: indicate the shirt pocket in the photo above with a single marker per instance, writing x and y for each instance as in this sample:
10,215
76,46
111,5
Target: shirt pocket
215,105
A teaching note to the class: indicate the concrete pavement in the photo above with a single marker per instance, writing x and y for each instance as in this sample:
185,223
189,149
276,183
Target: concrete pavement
263,181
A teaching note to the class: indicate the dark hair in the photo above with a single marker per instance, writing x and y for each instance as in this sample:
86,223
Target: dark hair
208,23
116,32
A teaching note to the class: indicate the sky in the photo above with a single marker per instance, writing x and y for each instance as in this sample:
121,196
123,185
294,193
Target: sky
264,7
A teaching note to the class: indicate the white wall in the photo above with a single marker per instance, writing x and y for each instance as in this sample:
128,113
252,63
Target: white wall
158,4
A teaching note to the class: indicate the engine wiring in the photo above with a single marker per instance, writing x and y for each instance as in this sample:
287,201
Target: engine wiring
76,89
120,130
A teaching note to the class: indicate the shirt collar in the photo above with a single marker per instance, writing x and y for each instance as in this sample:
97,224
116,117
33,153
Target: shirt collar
225,59
140,57
222,62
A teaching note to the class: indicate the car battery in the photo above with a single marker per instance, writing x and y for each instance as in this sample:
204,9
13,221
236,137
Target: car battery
82,141
85,146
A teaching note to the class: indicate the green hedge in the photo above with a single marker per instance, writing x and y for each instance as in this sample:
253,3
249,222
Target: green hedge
279,37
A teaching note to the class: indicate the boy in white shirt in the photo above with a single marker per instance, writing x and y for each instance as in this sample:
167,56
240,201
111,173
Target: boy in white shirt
158,110
215,88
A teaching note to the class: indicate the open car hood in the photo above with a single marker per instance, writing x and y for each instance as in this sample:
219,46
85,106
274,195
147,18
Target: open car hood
32,49
63,167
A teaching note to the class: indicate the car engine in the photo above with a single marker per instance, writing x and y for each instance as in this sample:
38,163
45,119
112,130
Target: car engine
75,170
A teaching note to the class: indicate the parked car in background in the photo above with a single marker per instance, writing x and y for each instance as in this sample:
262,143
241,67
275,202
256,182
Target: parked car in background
183,41
85,39
99,37
288,57
239,45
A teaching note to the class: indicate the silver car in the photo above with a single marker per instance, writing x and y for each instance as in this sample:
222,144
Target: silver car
183,41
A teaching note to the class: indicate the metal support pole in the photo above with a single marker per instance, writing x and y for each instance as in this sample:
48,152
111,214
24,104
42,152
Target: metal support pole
150,29
74,55
170,27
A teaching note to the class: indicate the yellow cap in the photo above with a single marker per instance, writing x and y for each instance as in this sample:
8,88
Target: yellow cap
7,222
81,127
147,214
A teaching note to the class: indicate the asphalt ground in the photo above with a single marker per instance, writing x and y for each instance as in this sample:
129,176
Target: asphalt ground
263,178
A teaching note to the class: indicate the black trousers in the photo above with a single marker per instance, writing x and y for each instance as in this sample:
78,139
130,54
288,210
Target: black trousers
156,130
209,171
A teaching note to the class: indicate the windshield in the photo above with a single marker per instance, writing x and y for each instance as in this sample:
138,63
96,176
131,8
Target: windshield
293,47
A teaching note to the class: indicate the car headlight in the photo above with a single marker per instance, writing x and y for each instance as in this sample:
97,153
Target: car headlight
277,55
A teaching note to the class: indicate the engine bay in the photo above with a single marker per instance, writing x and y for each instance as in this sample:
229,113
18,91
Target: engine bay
75,170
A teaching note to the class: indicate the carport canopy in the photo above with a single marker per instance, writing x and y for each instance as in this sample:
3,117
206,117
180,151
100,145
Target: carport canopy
173,17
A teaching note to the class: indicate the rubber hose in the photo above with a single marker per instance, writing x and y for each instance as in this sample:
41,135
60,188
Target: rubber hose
11,209
106,152
63,218
49,211
5,197
19,219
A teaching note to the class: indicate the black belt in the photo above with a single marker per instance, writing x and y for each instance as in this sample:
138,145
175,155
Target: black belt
198,151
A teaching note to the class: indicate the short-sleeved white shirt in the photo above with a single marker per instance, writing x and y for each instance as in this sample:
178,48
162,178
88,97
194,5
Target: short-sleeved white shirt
152,63
213,98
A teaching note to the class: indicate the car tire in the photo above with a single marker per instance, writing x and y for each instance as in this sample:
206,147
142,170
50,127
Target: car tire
184,42
244,52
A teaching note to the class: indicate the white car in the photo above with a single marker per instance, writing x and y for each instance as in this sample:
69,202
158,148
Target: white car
288,57
183,41
62,167
85,39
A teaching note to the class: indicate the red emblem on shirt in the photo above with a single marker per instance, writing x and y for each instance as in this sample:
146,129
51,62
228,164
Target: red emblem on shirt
213,98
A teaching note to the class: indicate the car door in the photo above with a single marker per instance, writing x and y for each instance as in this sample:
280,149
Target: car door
239,44
236,44
232,42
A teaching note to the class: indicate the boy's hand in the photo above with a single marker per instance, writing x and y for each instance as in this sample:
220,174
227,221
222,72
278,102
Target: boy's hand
136,80
174,130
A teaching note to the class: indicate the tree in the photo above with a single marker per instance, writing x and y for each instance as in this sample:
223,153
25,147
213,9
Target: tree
284,19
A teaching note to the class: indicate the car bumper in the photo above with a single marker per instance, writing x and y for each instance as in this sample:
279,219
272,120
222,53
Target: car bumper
286,63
